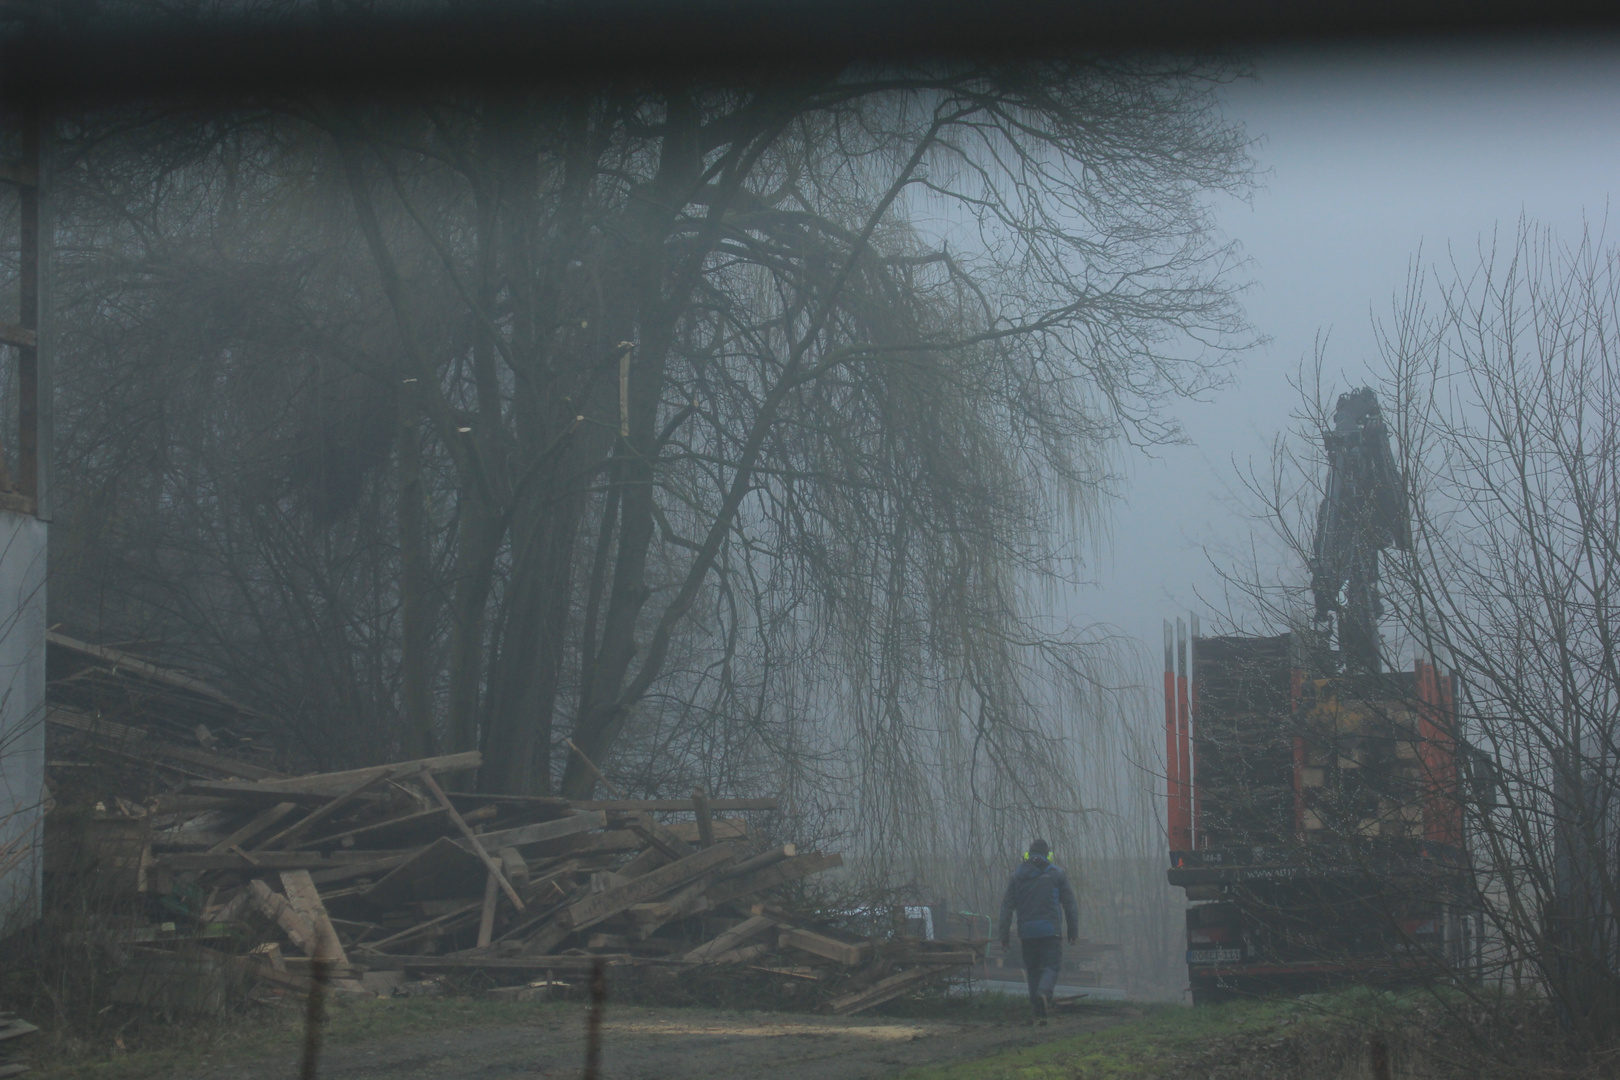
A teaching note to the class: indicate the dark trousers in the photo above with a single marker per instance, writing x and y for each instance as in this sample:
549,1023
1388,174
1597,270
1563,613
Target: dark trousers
1043,957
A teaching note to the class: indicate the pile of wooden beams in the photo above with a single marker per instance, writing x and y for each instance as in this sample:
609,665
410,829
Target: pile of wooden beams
12,1026
381,875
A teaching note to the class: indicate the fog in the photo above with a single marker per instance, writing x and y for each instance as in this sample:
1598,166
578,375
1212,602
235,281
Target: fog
1369,156
837,687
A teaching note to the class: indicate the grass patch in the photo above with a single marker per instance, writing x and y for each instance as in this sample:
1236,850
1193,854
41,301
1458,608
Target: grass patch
274,1033
1153,1044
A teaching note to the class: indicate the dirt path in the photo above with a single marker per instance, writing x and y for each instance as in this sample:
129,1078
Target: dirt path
680,1044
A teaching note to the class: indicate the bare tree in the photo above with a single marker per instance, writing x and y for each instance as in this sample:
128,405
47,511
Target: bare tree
815,386
1509,414
398,475
1500,382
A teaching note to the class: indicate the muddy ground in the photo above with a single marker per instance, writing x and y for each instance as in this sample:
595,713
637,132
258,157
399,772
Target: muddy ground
679,1044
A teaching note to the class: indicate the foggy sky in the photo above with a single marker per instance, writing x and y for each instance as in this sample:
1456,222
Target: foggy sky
1368,153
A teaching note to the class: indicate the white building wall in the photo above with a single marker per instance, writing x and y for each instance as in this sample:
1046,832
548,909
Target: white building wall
22,716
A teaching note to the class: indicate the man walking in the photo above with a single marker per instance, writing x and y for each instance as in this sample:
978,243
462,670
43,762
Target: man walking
1041,895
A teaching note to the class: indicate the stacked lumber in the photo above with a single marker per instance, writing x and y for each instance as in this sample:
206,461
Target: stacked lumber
112,683
380,875
11,1027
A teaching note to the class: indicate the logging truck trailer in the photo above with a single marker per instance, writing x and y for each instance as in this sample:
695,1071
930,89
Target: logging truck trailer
1314,821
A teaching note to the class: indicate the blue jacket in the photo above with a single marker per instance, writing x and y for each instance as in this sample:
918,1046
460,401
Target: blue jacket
1041,895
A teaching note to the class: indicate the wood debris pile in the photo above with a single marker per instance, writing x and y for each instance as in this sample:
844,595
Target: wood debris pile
11,1027
378,877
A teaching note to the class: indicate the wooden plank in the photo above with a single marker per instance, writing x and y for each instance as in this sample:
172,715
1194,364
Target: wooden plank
541,831
242,793
486,918
742,955
266,860
548,887
438,923
404,822
335,783
305,900
687,902
219,763
613,840
275,907
548,937
289,836
477,846
129,662
813,974
624,840
148,760
387,962
100,729
649,858
730,939
820,945
885,990
772,876
15,1026
594,909
762,860
705,823
608,942
261,821
174,803
782,916
351,871
517,870
545,894
663,838
674,805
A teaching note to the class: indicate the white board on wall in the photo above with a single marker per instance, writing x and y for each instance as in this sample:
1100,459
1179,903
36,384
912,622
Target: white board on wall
22,716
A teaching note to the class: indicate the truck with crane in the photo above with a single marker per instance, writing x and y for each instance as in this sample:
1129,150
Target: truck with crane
1314,815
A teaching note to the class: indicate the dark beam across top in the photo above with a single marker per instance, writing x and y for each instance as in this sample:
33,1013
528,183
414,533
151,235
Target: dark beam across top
81,50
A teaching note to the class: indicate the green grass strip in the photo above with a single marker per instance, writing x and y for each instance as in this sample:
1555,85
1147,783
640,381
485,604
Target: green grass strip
1146,1044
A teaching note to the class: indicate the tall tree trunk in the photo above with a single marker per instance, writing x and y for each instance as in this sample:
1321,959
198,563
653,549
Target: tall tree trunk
600,713
524,676
419,738
475,568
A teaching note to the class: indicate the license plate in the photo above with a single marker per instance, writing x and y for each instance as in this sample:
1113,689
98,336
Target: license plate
1214,956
